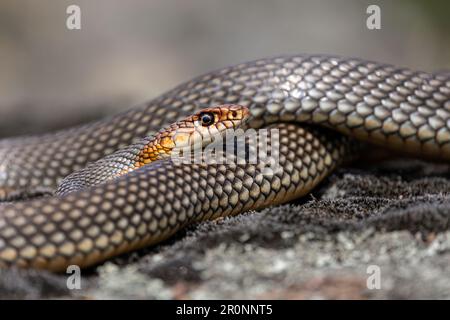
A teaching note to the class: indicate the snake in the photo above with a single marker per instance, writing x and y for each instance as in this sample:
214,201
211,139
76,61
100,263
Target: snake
100,190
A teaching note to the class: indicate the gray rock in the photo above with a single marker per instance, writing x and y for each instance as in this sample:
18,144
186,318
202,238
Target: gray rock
394,216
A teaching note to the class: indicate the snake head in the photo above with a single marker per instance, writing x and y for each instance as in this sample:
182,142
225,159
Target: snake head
197,130
208,124
220,117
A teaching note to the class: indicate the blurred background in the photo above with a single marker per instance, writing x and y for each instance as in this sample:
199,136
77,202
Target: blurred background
130,51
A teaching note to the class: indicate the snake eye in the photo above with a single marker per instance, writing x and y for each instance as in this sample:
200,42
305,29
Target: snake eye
207,119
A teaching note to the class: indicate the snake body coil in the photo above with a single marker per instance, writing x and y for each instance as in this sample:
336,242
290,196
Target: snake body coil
396,108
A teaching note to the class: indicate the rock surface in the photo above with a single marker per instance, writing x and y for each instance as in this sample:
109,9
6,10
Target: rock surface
392,217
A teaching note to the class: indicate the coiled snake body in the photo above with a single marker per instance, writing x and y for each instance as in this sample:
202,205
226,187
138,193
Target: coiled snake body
380,104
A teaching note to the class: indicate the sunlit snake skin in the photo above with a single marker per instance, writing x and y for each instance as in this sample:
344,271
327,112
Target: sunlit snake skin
396,108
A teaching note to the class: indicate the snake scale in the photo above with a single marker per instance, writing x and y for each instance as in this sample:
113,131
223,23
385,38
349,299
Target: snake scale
315,101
